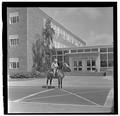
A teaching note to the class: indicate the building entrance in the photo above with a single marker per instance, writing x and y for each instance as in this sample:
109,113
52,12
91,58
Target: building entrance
84,65
78,65
91,65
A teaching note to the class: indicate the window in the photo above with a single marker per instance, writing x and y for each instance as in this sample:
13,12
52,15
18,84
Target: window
59,58
73,51
66,51
93,63
88,69
110,56
87,50
80,50
14,40
110,63
80,69
103,56
110,49
13,17
110,59
75,63
75,69
94,49
13,63
80,63
59,52
103,63
103,49
88,62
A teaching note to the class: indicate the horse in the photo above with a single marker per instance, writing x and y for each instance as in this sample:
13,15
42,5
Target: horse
59,75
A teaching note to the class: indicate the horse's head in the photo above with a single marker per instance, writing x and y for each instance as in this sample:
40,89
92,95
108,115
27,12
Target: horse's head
65,67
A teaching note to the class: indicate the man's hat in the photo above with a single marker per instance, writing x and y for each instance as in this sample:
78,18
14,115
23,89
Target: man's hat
56,60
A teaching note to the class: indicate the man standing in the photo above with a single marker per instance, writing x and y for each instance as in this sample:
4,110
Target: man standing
54,66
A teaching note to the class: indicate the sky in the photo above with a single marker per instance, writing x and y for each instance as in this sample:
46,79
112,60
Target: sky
93,25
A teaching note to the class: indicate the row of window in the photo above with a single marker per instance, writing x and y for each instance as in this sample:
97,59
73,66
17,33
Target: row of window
110,50
13,63
13,18
93,50
14,40
59,45
90,65
63,34
106,59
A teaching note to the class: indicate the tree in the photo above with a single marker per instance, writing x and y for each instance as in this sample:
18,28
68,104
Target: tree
43,48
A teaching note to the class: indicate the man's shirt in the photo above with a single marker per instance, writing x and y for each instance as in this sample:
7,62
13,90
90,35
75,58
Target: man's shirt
54,65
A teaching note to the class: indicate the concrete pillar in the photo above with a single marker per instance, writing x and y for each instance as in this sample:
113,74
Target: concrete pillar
84,65
98,63
70,61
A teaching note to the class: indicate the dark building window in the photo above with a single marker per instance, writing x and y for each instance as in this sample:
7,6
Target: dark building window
103,49
110,59
73,51
14,65
93,63
87,50
103,56
75,63
80,69
103,63
66,51
103,60
14,40
94,69
80,50
59,58
110,63
110,56
59,52
80,63
110,49
75,69
95,50
88,69
13,18
88,62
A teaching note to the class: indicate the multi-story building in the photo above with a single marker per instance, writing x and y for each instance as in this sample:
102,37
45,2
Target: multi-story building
24,27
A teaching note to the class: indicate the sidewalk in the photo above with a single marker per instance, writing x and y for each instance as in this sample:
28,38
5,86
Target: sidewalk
68,81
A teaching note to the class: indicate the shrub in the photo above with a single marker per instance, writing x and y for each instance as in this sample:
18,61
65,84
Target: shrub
26,75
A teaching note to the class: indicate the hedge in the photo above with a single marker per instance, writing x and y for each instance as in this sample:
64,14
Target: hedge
23,75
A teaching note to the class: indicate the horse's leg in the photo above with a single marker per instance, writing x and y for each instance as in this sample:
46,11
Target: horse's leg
50,81
61,82
58,83
47,82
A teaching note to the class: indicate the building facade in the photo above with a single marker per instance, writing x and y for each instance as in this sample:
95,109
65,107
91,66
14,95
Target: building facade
88,58
24,27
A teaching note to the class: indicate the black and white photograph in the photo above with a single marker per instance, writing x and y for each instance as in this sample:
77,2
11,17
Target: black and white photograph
60,59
